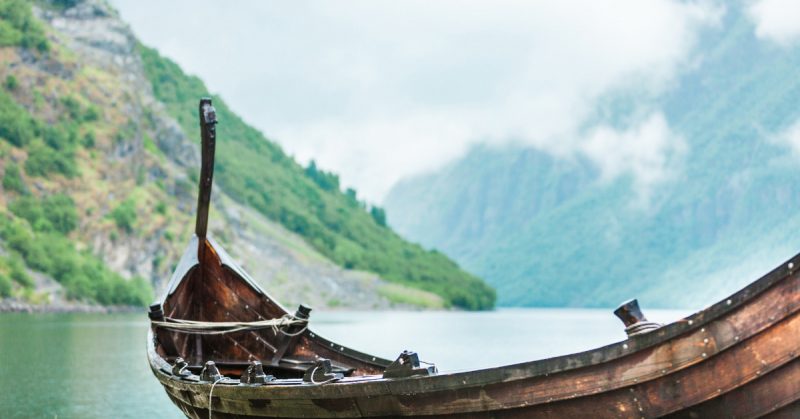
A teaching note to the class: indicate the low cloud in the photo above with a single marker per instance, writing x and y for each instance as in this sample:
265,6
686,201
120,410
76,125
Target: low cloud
378,91
649,152
776,20
788,137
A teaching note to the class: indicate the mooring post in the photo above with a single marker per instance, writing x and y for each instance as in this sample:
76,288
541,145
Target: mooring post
634,320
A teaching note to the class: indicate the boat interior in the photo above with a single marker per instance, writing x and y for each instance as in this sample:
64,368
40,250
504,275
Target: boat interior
209,287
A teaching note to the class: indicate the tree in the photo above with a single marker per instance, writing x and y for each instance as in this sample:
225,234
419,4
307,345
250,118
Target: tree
379,215
124,215
12,180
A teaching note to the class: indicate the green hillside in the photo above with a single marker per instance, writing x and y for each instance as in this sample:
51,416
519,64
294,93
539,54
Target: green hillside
85,164
37,231
545,232
308,201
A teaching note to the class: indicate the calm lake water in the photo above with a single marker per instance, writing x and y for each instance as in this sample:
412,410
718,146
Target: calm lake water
94,366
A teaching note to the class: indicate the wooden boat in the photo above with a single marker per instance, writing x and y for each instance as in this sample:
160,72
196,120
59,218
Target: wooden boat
222,347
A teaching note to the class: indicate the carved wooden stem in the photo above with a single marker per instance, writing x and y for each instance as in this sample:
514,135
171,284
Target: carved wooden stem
208,133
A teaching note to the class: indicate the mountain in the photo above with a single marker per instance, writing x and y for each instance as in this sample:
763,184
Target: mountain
99,155
548,230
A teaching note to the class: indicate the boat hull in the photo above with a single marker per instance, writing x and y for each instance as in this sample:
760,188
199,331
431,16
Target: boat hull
738,358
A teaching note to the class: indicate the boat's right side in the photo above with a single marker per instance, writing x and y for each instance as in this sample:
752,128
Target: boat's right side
737,358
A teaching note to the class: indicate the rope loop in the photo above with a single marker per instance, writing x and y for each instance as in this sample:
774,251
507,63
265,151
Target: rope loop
280,325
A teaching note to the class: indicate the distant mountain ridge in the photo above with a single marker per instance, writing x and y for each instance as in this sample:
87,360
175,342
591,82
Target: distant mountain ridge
546,231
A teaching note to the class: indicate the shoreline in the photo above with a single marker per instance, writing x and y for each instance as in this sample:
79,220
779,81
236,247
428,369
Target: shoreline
10,305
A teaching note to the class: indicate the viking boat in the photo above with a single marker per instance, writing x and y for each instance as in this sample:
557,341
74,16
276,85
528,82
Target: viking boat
223,348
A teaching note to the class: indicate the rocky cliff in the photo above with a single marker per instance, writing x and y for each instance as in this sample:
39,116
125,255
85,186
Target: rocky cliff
134,188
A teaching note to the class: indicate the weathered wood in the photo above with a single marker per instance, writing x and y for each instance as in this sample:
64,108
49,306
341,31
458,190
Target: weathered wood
750,339
208,135
737,358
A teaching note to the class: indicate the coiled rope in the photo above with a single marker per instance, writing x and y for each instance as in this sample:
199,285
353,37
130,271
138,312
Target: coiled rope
218,328
642,327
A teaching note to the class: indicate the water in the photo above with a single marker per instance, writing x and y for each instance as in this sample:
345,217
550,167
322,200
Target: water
94,366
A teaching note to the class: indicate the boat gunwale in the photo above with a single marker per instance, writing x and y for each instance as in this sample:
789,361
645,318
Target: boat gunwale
397,388
567,362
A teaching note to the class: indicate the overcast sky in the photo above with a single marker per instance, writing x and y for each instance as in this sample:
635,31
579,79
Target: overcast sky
380,90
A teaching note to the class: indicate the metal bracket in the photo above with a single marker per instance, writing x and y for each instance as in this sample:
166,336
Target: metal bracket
180,368
254,375
210,373
156,312
408,365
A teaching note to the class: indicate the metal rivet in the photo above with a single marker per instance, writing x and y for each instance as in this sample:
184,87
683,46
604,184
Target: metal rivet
331,344
704,354
728,302
373,358
705,340
341,348
736,338
635,399
690,322
663,371
624,346
703,330
641,410
791,265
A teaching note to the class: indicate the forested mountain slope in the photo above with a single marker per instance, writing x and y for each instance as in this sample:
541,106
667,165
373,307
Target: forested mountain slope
98,150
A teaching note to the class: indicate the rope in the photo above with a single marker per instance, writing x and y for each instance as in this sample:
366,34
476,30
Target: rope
641,328
212,392
219,328
334,378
